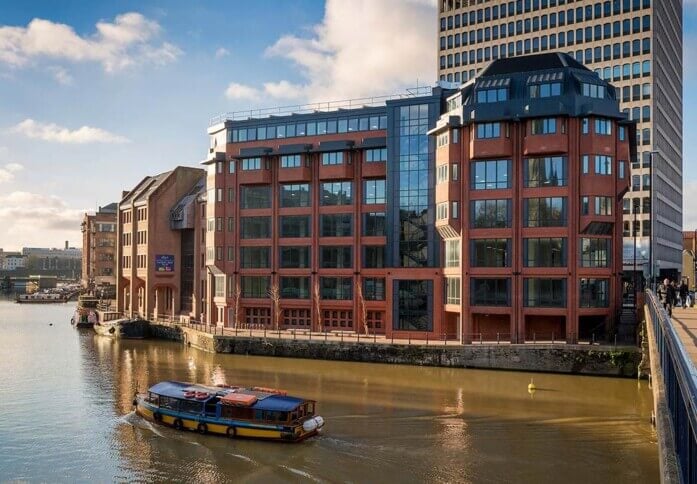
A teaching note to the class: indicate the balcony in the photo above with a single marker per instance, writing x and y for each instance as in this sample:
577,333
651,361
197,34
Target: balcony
300,173
491,148
250,177
545,144
336,172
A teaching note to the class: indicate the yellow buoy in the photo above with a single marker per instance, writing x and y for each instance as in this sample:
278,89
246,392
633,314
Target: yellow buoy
531,386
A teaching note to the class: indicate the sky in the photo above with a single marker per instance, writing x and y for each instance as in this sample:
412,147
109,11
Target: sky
96,95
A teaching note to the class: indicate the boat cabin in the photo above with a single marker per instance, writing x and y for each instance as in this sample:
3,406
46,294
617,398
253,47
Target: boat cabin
233,403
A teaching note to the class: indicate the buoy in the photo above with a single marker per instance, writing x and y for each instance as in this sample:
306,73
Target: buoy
531,386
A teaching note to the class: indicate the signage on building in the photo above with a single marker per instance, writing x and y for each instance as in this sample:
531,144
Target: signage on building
164,263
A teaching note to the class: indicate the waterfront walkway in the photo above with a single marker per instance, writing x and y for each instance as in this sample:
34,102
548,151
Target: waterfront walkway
685,324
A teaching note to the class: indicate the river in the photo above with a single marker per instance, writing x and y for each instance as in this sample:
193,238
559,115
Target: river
66,416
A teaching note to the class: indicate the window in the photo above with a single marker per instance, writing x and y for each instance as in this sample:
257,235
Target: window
595,252
337,193
374,256
452,290
603,126
490,292
414,308
593,90
255,227
490,252
290,161
545,90
544,212
492,95
333,257
545,293
603,205
255,286
490,214
336,288
603,165
543,126
374,288
333,158
544,252
373,191
295,195
584,125
545,172
374,224
336,225
251,163
254,257
442,211
488,130
442,174
491,174
452,253
231,166
293,226
594,293
376,155
255,196
295,287
294,257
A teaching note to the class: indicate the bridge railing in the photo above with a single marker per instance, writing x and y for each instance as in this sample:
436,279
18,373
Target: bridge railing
680,380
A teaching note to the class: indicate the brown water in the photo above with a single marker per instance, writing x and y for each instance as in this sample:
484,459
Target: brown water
66,416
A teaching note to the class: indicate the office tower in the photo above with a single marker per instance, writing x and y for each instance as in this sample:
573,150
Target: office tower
634,44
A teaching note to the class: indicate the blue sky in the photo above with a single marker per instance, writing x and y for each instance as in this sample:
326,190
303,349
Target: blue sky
96,95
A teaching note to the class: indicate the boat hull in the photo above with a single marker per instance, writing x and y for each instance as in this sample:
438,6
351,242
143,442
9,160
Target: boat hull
230,428
83,325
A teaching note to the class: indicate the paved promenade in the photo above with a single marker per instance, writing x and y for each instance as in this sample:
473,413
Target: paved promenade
685,324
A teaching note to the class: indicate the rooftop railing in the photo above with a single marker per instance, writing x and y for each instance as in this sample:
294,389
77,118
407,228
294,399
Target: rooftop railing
680,381
329,106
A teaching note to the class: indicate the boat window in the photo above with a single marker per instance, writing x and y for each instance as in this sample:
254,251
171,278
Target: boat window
294,416
211,407
169,402
190,406
153,398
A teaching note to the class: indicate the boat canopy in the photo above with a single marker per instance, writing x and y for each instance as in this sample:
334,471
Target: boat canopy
265,401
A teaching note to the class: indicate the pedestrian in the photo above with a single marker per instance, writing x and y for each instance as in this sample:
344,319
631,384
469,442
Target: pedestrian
683,294
671,294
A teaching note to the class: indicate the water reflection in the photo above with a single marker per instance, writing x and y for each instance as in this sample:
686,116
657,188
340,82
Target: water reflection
385,423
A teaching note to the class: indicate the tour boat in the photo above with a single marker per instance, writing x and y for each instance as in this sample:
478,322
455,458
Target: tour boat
256,412
40,298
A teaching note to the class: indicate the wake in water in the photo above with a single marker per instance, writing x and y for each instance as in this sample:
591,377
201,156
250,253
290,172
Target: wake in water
300,473
134,420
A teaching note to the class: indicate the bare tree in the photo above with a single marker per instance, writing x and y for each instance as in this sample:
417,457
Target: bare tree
362,310
236,296
318,310
275,296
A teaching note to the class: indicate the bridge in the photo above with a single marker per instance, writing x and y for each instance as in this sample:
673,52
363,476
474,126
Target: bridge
673,354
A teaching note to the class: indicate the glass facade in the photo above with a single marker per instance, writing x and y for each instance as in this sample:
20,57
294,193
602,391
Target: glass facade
544,252
414,308
414,169
337,193
254,257
336,288
490,252
489,214
374,288
339,225
374,224
255,286
490,174
544,212
335,257
544,293
545,172
295,195
373,191
295,287
595,252
490,292
594,293
293,226
255,227
294,257
255,196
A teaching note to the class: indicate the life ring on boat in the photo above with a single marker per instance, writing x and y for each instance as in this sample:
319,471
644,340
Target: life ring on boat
189,394
201,395
157,416
202,428
178,424
231,432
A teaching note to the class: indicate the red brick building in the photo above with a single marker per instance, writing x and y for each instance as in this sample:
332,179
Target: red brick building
491,210
99,248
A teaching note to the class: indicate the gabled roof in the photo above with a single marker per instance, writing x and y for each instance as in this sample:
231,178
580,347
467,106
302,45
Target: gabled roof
535,62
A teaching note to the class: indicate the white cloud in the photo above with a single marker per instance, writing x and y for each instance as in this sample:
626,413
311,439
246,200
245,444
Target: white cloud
61,75
59,134
127,41
32,219
7,172
221,52
241,91
393,50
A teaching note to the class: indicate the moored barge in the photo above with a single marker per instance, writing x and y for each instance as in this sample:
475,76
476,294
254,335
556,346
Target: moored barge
236,412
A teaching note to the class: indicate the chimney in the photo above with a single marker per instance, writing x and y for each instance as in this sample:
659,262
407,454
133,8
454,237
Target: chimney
66,245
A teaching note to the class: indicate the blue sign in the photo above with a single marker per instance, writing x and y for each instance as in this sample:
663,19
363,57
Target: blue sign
164,263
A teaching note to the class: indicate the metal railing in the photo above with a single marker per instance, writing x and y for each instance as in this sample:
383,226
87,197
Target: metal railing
680,379
319,106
